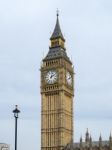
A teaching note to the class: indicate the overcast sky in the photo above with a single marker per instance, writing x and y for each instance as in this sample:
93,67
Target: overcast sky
25,29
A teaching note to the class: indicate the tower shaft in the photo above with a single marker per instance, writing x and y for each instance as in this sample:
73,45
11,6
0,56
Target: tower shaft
57,86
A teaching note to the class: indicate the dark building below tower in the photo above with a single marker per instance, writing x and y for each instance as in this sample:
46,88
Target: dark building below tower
88,144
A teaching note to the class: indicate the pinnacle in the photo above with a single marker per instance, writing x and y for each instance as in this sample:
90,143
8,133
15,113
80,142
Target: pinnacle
57,30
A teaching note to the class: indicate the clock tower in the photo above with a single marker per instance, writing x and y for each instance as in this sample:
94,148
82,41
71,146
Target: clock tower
57,91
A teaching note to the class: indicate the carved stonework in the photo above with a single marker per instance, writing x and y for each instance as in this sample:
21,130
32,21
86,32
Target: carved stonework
57,91
88,144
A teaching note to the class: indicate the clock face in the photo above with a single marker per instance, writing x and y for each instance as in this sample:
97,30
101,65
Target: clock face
51,77
69,78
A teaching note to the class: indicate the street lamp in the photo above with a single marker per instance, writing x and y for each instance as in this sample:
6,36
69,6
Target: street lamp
16,111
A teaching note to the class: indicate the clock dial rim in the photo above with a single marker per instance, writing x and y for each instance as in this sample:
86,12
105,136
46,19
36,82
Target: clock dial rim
69,78
51,77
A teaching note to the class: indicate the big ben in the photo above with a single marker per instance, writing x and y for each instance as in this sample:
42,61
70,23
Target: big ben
57,92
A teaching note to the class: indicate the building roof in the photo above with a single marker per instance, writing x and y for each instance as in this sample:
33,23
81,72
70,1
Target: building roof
74,146
57,52
57,30
89,144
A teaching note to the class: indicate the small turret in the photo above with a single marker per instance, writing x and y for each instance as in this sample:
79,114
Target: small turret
100,141
81,142
110,141
90,138
110,137
100,138
81,139
87,136
90,142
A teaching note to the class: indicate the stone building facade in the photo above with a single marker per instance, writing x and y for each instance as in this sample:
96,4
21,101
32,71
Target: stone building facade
57,91
4,146
89,144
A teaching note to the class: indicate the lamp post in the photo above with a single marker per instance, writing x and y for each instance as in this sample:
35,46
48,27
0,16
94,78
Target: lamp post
16,111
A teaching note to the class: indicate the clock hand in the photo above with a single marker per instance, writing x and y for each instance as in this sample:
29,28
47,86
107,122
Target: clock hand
52,75
69,78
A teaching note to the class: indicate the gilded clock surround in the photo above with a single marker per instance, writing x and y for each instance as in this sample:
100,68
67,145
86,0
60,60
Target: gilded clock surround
56,98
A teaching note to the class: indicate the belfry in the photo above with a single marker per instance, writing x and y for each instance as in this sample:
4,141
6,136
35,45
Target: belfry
57,92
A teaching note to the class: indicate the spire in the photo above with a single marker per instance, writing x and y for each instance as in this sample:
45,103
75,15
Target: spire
100,141
87,136
57,30
90,141
100,138
57,44
110,141
81,141
110,137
